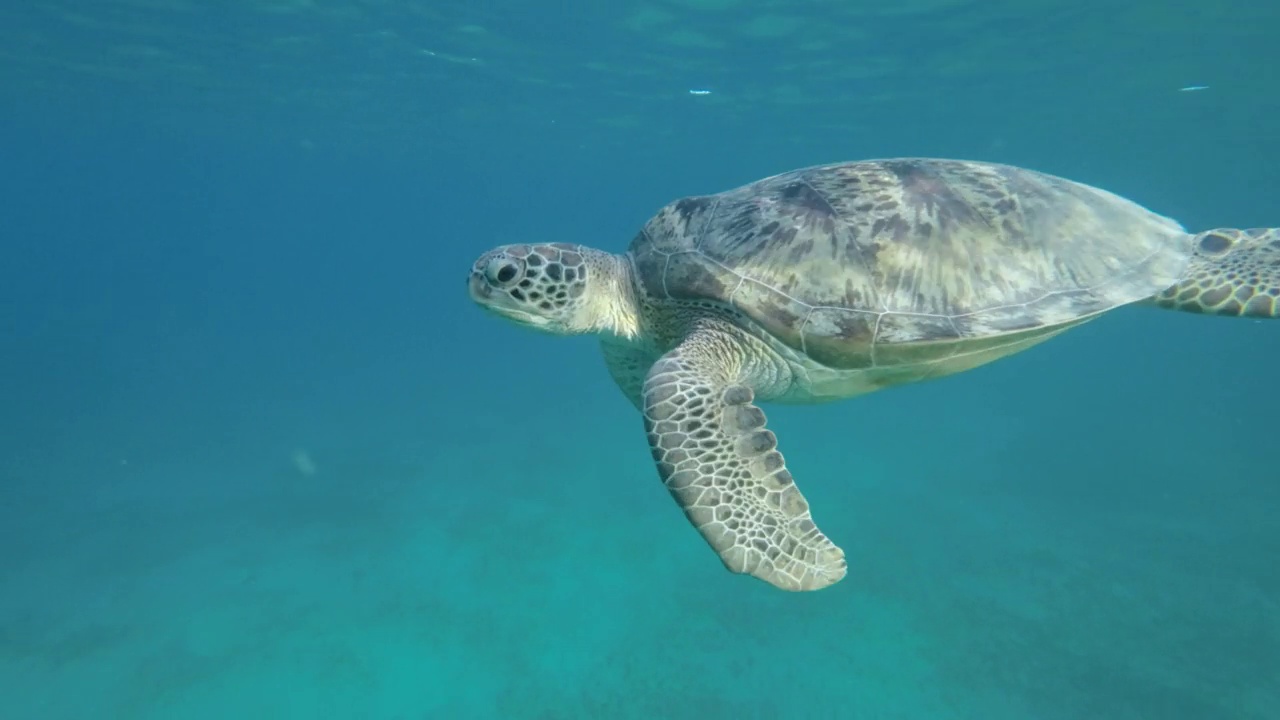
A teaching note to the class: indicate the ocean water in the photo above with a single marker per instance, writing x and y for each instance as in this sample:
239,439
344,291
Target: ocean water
262,457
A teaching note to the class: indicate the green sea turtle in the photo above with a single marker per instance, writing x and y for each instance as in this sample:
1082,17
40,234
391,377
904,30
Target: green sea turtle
833,281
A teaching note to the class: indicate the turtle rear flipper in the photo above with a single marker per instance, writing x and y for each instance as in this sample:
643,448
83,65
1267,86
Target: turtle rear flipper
723,468
1232,272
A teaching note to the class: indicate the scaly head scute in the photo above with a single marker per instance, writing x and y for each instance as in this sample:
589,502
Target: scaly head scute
555,287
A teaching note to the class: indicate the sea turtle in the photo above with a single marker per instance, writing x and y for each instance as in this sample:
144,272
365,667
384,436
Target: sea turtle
833,281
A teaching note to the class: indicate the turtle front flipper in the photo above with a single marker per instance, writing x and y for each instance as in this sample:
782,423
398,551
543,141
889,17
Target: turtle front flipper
721,465
1232,272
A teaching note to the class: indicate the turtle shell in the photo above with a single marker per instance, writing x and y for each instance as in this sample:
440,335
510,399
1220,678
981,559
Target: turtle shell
909,260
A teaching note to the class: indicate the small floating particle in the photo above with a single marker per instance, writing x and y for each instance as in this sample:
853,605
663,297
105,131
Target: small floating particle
303,463
1193,88
699,92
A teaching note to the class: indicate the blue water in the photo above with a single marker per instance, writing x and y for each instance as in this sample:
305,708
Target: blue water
261,457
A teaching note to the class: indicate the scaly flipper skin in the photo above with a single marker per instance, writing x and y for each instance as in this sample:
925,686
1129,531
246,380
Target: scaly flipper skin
721,465
1233,272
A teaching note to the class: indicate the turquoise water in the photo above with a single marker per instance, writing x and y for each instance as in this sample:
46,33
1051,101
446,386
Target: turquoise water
261,457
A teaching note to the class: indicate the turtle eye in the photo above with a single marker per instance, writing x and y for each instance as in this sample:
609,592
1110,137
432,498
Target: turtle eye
502,271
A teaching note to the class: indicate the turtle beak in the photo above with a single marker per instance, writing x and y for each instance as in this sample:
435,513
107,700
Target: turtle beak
478,288
499,302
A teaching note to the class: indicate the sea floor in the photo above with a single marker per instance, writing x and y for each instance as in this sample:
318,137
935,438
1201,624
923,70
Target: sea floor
438,587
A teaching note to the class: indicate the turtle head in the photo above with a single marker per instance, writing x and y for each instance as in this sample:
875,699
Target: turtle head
556,287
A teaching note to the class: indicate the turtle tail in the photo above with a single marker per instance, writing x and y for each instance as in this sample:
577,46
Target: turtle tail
1232,272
